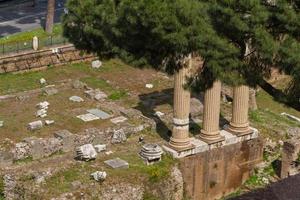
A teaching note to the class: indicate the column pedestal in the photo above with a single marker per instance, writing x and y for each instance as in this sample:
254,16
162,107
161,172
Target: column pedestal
239,124
210,132
180,136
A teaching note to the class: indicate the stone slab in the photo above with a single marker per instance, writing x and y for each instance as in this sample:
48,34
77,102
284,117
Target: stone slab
119,120
117,163
68,139
36,146
99,113
88,117
76,99
1,124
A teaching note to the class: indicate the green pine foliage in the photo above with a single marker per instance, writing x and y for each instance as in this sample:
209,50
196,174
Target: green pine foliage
239,40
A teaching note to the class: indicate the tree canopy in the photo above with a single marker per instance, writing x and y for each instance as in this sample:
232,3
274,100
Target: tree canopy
239,40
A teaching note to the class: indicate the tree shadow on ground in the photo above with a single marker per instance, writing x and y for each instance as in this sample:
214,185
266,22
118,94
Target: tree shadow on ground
148,103
278,95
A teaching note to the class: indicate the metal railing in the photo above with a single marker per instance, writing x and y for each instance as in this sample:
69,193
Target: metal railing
17,47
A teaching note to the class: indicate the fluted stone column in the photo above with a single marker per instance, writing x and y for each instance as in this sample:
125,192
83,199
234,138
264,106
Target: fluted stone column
180,136
210,132
239,123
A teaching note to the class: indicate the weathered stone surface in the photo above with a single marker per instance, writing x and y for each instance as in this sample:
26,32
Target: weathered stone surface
76,99
49,122
1,124
100,147
51,146
119,136
196,107
21,151
290,155
43,81
99,113
215,173
32,126
43,105
50,91
99,176
99,95
117,163
6,158
36,147
88,117
11,189
122,191
293,132
86,152
119,120
96,64
77,84
67,139
151,153
41,113
149,86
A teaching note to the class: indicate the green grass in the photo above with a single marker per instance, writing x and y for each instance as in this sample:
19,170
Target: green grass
27,36
114,94
1,188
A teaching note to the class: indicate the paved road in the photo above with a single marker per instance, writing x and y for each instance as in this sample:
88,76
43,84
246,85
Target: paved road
24,17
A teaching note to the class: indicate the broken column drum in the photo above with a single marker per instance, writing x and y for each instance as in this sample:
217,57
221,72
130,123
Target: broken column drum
151,153
210,132
180,136
239,123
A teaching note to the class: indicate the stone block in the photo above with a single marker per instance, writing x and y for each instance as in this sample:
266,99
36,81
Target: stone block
76,99
119,120
50,91
100,147
117,163
96,64
86,152
99,113
119,136
36,147
6,158
88,117
32,126
1,124
67,138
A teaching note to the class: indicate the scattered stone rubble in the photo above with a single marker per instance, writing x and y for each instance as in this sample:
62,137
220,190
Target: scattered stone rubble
86,152
99,176
95,94
151,153
50,90
43,108
119,136
96,64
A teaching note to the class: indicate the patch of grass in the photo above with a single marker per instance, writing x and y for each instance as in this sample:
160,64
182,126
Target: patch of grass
63,179
232,195
266,101
114,94
149,196
117,95
255,116
28,35
25,160
1,188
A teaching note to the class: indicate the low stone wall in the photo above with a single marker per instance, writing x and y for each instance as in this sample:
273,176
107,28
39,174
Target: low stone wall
34,60
220,171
